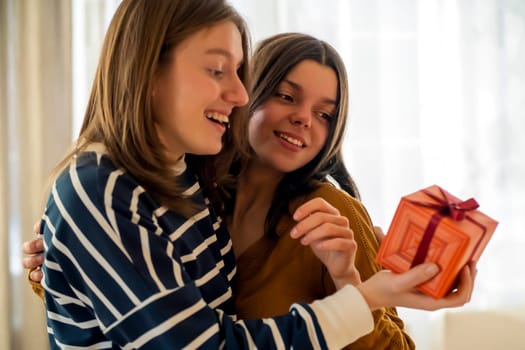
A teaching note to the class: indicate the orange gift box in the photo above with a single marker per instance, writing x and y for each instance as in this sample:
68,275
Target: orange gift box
431,225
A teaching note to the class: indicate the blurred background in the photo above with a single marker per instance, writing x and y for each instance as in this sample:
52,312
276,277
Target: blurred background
437,97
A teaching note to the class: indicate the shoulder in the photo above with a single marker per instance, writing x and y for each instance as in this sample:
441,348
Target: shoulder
88,170
92,180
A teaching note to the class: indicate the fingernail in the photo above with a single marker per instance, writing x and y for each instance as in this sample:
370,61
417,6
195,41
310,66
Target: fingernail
293,232
432,269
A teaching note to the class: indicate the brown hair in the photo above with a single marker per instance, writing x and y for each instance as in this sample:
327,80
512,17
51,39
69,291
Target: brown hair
273,59
276,56
119,114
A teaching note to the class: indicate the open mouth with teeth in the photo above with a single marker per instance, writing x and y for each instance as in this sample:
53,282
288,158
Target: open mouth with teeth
289,139
218,118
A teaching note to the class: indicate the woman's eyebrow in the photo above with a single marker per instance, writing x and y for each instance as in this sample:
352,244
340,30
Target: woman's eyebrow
298,87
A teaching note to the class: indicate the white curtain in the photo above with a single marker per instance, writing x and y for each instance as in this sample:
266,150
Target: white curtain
4,252
35,131
437,97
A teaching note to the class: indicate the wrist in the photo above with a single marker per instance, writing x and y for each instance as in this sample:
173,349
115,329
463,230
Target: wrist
353,278
368,295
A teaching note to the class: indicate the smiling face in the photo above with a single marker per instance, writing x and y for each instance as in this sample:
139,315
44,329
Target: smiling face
195,91
289,129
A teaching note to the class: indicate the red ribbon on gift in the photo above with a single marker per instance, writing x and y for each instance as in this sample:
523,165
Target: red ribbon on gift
446,206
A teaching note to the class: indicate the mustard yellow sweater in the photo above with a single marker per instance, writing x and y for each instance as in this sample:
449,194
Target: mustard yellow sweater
274,274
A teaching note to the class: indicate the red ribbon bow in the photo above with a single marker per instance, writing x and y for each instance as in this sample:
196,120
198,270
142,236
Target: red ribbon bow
446,206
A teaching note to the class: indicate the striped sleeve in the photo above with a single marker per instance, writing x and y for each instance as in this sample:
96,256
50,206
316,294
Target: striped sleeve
122,272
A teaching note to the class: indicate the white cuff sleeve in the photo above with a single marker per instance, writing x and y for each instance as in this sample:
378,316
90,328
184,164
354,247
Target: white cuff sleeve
343,317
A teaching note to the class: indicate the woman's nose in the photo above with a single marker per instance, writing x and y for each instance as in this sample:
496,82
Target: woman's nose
302,117
236,93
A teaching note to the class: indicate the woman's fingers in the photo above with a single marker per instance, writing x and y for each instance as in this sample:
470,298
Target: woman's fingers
36,227
463,293
415,276
34,257
33,261
312,206
334,244
33,246
313,229
36,275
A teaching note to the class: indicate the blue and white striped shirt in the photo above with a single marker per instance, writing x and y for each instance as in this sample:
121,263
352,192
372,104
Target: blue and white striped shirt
121,271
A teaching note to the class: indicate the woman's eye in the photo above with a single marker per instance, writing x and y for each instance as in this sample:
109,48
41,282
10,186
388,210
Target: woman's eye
284,97
326,116
216,73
